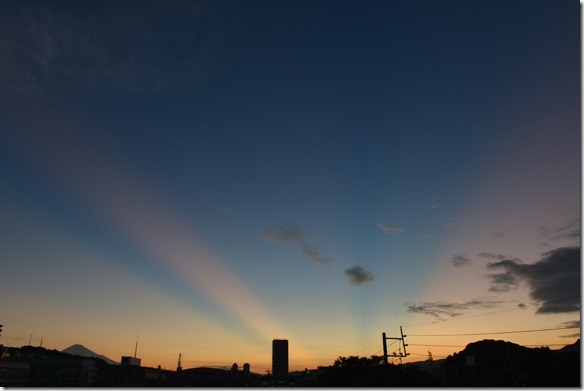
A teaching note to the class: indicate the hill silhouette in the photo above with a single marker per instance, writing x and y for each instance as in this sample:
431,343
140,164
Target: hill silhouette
80,350
490,363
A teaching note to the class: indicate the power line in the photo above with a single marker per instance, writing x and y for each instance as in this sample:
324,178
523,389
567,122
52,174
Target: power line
441,346
374,342
426,355
366,347
492,333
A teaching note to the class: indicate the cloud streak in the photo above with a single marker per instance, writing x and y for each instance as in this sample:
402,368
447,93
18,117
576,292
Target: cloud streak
571,231
291,234
553,282
390,228
441,309
500,257
460,260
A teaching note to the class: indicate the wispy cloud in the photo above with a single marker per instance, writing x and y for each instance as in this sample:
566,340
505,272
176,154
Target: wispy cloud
291,234
553,282
460,260
500,234
503,282
116,46
441,309
571,231
434,204
390,228
571,324
493,256
358,276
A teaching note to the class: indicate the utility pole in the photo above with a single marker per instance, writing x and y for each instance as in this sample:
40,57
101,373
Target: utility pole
403,344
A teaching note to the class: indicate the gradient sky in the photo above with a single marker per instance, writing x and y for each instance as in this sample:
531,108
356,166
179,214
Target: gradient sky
207,176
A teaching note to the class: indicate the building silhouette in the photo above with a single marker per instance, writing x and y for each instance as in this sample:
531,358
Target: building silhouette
280,358
128,360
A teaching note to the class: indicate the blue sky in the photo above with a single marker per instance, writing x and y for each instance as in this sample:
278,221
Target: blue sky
318,171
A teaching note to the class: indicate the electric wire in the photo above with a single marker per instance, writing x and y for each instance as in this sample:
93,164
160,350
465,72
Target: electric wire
441,346
491,333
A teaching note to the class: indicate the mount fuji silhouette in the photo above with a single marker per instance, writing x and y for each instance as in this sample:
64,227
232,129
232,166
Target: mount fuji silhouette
80,350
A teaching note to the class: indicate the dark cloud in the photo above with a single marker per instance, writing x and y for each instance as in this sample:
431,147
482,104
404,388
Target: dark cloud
553,282
460,260
522,306
291,234
145,47
571,231
571,324
503,282
390,228
357,275
441,309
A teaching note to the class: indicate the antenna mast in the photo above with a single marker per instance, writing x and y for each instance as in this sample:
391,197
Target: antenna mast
136,349
179,366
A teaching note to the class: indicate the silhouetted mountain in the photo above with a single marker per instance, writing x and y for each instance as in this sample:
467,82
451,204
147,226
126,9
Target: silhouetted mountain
80,350
491,363
575,347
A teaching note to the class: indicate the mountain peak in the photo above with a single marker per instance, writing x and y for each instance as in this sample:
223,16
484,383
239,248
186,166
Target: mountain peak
80,350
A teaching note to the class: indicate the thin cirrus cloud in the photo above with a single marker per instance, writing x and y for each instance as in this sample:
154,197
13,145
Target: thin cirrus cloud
572,324
500,257
553,282
46,47
571,231
442,309
499,235
460,260
288,233
390,228
358,276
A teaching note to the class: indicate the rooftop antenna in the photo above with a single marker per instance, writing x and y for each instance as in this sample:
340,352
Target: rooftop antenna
136,349
179,366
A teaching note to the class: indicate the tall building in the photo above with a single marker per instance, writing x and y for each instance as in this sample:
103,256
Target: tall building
280,358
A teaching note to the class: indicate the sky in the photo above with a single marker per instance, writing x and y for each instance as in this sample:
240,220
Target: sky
206,176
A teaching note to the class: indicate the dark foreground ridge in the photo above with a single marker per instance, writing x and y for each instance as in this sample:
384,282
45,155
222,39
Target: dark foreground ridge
486,363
